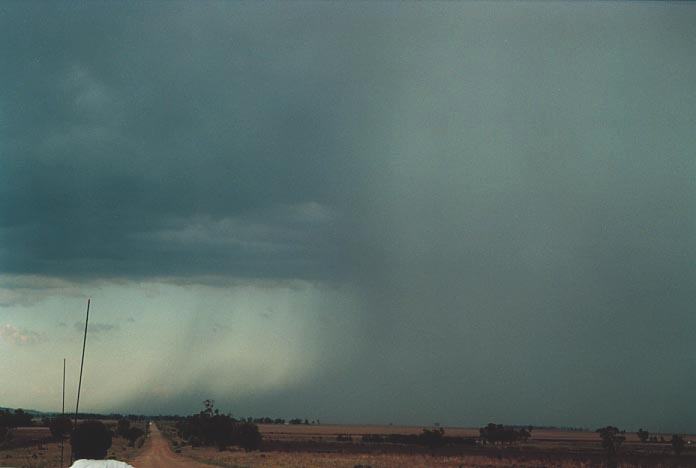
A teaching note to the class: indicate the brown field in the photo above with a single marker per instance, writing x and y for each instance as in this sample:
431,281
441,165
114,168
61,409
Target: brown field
324,430
316,446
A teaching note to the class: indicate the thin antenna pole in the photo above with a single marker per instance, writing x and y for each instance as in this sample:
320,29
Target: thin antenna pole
62,412
82,363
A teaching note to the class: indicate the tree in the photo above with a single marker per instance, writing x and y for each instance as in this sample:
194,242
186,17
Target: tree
643,435
133,434
60,426
678,444
612,438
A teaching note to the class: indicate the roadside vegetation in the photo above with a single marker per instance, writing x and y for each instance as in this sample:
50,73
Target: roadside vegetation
29,440
212,429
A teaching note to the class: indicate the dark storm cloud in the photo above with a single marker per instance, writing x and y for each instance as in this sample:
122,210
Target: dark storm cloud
509,188
117,130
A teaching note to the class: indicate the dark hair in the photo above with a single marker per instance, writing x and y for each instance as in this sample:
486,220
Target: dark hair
91,439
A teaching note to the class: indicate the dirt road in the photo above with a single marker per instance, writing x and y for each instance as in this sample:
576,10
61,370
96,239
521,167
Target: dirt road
158,454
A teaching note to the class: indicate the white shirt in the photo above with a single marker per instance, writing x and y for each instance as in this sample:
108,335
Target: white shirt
85,463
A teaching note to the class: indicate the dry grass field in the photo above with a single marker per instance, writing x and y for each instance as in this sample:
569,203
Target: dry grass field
317,446
239,459
346,460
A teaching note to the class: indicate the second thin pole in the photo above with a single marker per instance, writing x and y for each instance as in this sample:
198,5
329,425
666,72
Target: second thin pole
82,363
62,412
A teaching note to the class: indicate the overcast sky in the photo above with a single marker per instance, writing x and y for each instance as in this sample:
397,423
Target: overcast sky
359,212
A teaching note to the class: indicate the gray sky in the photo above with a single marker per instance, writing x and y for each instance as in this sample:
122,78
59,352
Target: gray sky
358,212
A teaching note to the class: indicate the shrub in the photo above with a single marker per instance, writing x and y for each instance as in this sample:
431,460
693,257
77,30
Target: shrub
497,433
60,426
133,434
248,436
432,438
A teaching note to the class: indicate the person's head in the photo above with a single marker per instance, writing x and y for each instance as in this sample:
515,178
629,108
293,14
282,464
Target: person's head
91,439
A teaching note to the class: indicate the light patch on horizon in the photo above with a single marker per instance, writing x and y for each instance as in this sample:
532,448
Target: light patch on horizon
195,339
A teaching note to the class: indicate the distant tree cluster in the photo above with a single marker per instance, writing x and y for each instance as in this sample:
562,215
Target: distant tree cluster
498,434
431,438
103,416
299,421
267,420
210,428
678,443
557,428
